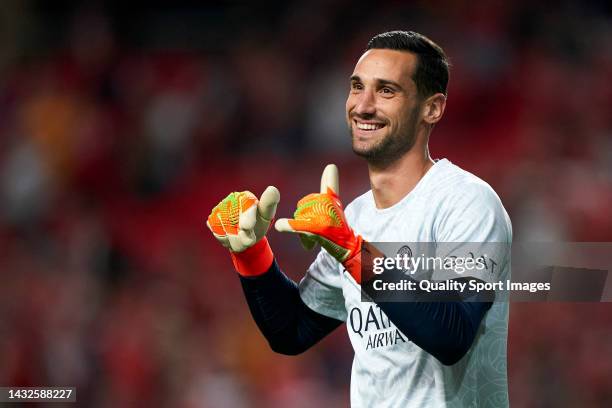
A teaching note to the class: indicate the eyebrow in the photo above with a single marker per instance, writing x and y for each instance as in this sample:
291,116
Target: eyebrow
380,81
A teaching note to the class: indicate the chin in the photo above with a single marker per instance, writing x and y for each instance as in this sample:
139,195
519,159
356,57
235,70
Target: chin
367,144
363,150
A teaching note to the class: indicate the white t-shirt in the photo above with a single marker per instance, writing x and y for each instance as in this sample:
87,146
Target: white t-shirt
447,205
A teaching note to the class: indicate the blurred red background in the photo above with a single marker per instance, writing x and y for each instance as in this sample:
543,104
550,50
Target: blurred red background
121,128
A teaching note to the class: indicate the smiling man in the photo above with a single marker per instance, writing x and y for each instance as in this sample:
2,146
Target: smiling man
383,113
407,354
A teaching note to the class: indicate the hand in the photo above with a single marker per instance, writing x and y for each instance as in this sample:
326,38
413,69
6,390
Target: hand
240,222
319,218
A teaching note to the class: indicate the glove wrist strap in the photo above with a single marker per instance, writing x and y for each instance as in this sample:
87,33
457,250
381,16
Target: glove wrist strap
353,264
254,261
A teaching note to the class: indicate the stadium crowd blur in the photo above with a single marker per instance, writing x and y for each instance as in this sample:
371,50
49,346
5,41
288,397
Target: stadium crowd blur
121,129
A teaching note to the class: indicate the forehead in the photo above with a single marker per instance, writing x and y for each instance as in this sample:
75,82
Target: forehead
393,65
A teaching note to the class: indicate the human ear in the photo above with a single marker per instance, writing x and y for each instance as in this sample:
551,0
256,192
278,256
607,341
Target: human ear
434,108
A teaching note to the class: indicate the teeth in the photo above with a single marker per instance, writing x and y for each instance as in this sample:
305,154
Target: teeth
368,126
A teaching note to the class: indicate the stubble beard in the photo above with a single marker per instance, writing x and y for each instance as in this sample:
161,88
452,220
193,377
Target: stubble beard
393,146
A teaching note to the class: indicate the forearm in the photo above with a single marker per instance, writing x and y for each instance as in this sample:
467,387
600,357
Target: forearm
286,322
445,325
446,330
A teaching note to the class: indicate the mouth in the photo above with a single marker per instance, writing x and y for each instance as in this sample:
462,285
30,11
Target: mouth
368,126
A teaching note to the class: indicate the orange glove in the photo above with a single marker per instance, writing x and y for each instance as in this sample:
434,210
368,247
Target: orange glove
319,218
240,222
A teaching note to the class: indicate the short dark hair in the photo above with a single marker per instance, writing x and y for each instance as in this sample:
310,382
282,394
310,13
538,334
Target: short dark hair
432,70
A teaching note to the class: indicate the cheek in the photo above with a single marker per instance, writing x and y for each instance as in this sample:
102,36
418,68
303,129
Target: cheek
350,104
403,116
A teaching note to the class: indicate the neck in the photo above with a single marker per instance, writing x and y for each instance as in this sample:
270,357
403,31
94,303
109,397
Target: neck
392,182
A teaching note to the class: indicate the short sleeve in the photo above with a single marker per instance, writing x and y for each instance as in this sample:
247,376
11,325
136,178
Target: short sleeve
473,224
321,287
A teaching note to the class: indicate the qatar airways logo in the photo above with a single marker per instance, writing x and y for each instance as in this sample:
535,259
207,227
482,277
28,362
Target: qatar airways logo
374,327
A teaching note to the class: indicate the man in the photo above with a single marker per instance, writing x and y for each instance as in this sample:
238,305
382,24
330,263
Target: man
407,354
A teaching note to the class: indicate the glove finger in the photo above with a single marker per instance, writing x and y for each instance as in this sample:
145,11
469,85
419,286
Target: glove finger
248,218
224,227
214,224
217,230
309,225
307,242
307,239
330,179
247,237
235,243
266,208
282,225
221,238
296,226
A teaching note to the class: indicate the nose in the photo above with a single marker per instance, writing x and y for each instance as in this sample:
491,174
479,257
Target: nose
365,104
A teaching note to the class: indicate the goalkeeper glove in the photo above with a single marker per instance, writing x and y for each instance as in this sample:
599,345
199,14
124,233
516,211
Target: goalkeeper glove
319,218
240,222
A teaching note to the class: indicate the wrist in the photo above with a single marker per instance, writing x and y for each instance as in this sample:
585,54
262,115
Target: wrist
254,261
353,264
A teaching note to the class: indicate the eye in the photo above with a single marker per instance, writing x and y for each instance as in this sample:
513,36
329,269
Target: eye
386,90
356,86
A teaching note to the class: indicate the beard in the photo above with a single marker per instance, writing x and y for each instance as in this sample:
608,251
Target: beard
392,146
